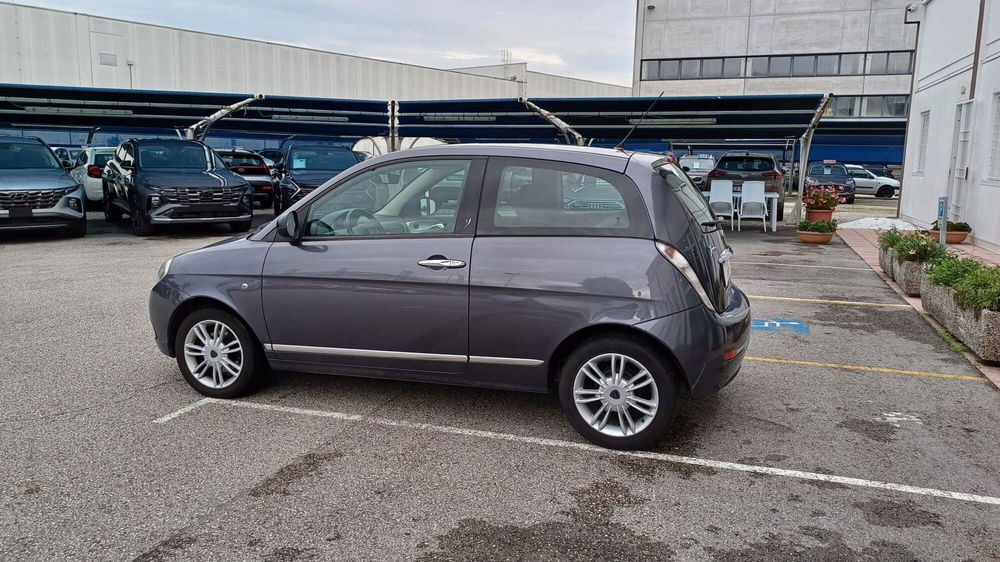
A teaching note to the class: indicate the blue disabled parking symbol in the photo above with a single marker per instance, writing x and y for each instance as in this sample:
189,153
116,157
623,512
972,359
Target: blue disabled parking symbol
776,324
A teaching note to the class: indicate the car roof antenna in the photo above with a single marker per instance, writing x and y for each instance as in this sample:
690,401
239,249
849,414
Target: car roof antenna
621,143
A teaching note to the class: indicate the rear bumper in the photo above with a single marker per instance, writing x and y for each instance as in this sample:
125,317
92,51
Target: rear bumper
713,358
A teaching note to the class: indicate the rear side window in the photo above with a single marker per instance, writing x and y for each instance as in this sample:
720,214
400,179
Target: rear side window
541,197
746,164
689,195
242,160
827,170
101,158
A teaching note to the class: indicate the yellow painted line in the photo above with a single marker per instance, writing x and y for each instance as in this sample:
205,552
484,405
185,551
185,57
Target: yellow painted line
864,368
822,301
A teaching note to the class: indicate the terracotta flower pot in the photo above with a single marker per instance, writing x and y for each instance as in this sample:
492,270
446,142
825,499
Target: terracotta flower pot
814,237
814,215
952,236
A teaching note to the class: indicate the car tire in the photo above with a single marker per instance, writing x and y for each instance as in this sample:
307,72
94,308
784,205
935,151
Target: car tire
781,210
112,213
241,226
214,375
78,229
646,422
140,220
277,206
849,200
885,192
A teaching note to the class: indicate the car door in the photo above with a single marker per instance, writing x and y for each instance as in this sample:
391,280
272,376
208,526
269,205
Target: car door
864,181
380,278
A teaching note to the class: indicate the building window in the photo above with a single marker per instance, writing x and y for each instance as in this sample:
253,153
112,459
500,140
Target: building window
995,138
868,106
776,66
925,126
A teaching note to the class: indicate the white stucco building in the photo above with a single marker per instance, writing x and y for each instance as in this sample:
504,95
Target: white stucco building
861,50
52,47
953,148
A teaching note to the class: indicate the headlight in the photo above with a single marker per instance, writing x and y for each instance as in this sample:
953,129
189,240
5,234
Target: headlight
164,269
295,187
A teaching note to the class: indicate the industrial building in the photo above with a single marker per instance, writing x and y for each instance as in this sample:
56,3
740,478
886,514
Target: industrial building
954,147
50,47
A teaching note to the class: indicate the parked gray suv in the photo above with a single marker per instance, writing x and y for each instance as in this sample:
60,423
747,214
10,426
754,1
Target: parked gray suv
599,274
36,191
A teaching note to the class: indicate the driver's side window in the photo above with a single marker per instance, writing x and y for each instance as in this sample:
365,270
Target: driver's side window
417,197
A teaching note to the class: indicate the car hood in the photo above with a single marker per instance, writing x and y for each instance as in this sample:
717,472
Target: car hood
35,179
190,178
312,178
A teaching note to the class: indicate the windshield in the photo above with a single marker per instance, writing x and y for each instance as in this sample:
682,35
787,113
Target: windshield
26,155
746,164
820,170
173,155
242,160
101,158
331,159
695,163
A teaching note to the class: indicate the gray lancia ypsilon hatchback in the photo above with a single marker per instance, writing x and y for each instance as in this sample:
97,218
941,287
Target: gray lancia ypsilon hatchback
601,275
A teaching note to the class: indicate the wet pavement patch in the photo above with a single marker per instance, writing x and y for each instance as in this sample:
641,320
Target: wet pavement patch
881,431
817,544
167,548
288,554
588,534
303,467
899,514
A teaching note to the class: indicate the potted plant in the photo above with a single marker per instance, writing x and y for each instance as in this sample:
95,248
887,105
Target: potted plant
955,232
912,252
964,296
887,242
816,232
820,202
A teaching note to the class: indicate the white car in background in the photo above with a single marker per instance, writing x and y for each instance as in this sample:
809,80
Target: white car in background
867,183
89,166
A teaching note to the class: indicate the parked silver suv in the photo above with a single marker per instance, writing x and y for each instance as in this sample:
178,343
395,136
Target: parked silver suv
599,274
36,192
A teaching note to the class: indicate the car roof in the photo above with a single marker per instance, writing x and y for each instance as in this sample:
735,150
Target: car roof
164,141
748,153
601,157
20,140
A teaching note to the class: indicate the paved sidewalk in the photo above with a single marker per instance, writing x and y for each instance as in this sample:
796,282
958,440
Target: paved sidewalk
865,244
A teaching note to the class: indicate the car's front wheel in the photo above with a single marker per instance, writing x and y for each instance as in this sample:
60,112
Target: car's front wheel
617,393
141,225
277,205
78,228
217,355
112,213
886,192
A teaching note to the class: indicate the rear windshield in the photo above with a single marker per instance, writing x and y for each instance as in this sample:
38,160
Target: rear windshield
828,170
698,163
26,156
173,155
242,160
688,194
337,159
746,164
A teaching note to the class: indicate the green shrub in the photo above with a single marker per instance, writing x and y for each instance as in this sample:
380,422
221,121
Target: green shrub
953,226
980,289
818,226
888,239
919,248
950,270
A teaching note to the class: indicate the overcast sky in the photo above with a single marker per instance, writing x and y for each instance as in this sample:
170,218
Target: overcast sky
590,39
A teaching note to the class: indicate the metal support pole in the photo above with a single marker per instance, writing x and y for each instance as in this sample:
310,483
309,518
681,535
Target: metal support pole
805,143
572,137
393,126
200,129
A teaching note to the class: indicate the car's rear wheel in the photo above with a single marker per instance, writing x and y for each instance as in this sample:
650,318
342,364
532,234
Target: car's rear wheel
277,205
112,213
617,393
886,192
217,355
141,226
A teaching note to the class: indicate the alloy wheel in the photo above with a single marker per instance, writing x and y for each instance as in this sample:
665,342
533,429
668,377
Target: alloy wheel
615,394
213,354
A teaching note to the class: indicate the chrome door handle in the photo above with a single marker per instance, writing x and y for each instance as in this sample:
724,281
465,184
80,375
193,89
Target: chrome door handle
450,264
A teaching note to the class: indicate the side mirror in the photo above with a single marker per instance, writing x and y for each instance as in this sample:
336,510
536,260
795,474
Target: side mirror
66,164
290,227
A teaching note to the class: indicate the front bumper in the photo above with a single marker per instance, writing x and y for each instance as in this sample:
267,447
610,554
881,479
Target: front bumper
59,216
179,213
711,360
163,300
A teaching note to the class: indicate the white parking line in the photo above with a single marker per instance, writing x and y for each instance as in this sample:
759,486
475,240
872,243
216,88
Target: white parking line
722,465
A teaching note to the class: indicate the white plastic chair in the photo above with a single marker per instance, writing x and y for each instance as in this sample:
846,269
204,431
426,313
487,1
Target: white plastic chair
720,199
753,205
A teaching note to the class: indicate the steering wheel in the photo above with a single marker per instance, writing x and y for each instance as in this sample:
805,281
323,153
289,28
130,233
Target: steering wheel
355,215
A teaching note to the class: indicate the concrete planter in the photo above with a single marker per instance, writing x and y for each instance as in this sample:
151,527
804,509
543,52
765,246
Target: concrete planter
978,329
907,275
887,259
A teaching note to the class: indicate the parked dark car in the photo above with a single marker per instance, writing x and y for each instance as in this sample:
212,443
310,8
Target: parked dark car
273,154
306,167
697,167
599,274
253,168
36,191
744,166
173,181
830,172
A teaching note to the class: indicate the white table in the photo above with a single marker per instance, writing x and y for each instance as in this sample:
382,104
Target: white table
771,197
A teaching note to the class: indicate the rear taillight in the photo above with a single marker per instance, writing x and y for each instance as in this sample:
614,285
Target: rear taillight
716,174
677,259
93,171
772,175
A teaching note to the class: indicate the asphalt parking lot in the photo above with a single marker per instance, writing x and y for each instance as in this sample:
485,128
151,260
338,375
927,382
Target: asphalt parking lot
853,432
